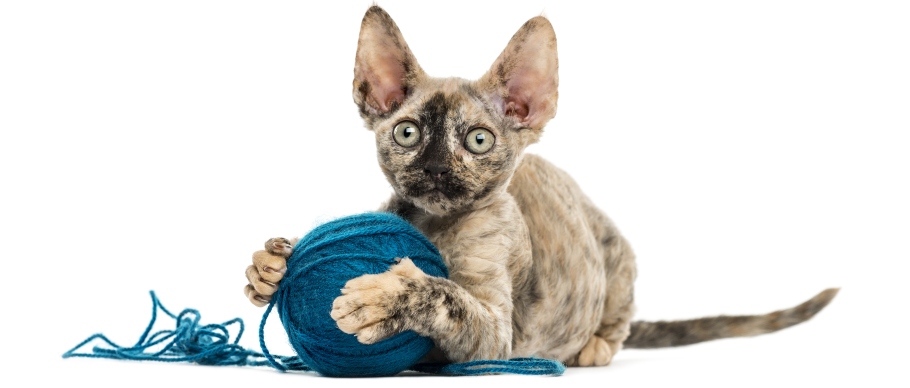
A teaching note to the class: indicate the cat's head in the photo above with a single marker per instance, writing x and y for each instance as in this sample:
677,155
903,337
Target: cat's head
448,144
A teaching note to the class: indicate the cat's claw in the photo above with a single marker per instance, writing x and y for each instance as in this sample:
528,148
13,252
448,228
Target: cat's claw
279,246
269,267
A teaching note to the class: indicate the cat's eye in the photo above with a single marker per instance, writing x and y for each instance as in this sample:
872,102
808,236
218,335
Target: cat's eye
479,140
406,134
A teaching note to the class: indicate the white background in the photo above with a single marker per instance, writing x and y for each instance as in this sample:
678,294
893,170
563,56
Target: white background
753,153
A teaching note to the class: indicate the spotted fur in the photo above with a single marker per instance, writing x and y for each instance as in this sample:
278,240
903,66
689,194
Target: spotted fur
536,269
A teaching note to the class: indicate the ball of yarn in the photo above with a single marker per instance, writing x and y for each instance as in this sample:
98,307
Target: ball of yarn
319,266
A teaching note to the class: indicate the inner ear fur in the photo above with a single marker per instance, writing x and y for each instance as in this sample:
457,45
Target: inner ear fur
384,68
523,81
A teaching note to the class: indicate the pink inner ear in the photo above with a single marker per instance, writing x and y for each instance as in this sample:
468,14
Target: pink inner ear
530,90
516,104
516,109
386,78
385,75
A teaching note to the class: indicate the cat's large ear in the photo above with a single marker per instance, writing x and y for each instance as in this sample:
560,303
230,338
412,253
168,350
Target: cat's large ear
385,68
524,79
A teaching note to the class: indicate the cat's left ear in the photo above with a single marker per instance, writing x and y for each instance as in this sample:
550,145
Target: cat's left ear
524,79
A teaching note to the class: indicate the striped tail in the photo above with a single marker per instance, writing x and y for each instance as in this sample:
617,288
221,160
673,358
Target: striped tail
677,333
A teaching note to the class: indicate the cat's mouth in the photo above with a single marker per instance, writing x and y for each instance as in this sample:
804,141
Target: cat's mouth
434,191
440,193
437,193
437,196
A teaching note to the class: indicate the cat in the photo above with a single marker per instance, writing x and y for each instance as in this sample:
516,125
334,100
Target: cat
536,269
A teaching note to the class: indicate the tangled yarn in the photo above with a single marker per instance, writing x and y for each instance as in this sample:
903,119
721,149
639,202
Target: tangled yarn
189,341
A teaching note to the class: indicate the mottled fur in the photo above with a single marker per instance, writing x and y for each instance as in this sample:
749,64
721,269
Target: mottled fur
535,268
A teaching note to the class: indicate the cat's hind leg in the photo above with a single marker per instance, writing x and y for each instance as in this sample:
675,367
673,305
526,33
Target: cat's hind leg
604,344
618,306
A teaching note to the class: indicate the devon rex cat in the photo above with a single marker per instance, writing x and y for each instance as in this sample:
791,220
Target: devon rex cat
536,269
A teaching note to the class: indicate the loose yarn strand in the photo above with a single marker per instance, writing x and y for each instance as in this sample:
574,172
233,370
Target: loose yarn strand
286,362
187,342
518,366
265,351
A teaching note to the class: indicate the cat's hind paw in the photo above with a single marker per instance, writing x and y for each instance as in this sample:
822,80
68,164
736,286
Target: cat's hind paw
597,352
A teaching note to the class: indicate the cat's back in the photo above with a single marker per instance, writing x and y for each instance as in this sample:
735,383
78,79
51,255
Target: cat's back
544,190
534,173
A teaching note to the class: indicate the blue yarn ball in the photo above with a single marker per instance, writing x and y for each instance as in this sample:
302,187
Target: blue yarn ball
319,266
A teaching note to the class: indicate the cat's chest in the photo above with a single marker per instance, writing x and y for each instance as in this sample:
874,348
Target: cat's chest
443,234
487,235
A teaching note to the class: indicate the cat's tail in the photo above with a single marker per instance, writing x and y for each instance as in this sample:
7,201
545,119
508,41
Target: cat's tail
677,333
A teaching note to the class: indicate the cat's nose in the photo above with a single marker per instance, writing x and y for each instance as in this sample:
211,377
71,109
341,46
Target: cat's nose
435,170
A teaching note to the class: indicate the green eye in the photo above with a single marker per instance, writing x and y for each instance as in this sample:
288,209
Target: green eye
406,134
479,141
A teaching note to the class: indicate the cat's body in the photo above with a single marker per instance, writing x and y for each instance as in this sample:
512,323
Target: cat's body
556,305
535,268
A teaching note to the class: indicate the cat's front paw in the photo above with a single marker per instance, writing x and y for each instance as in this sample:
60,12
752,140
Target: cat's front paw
372,307
268,268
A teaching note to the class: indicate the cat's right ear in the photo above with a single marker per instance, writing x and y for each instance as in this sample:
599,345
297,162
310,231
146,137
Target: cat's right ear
384,69
523,81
